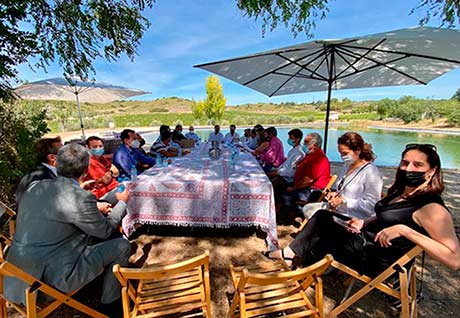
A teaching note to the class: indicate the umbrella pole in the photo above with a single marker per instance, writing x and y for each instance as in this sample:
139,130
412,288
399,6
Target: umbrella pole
328,109
328,102
79,114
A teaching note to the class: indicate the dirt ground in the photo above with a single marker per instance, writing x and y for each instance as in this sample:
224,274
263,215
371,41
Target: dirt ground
440,286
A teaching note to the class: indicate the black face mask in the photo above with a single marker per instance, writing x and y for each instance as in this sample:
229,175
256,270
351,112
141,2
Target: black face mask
412,178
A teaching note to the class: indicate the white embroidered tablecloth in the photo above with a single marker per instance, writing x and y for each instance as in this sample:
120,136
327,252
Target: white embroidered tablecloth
198,191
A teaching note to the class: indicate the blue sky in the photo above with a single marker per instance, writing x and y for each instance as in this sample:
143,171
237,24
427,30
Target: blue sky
185,33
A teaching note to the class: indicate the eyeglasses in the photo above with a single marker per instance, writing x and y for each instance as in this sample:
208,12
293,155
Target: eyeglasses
415,145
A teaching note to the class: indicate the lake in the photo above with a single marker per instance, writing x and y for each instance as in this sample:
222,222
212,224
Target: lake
387,145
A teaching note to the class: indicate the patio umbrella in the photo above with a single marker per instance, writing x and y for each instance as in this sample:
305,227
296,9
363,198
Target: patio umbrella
410,56
75,89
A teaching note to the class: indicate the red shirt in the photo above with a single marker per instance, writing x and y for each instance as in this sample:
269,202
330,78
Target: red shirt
98,167
316,166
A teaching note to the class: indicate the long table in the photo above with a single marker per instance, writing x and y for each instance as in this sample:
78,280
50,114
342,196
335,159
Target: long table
198,191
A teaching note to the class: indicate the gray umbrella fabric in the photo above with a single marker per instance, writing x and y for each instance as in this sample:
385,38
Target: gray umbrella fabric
75,89
412,56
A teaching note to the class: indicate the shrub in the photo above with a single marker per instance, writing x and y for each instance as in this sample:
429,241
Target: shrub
155,123
20,128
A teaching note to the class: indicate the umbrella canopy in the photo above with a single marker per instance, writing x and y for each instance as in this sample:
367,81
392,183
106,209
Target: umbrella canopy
75,89
410,56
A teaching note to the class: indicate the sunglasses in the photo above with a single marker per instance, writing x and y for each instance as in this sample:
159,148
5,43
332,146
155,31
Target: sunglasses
415,146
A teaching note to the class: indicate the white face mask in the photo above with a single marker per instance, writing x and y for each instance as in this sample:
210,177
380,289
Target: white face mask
135,143
348,159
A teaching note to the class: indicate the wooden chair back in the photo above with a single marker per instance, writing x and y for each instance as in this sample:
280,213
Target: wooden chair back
325,191
406,293
282,292
31,309
11,221
180,289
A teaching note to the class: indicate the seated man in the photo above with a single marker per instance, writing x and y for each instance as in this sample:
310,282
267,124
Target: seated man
216,135
312,174
246,136
55,222
284,174
127,154
100,169
253,140
177,134
273,156
232,136
162,146
191,135
46,150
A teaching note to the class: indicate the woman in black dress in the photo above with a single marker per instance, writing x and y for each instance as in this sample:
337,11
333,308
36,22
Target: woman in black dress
413,213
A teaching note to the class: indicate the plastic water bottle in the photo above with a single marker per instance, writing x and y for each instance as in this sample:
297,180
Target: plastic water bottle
165,163
179,152
121,186
133,173
158,160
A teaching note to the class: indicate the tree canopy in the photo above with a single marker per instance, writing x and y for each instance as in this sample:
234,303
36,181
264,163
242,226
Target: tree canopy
72,32
302,15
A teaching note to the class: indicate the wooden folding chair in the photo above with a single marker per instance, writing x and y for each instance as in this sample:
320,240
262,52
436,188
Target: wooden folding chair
407,293
326,190
11,220
182,288
281,291
31,309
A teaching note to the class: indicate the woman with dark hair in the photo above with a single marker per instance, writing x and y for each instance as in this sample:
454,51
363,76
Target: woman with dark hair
412,214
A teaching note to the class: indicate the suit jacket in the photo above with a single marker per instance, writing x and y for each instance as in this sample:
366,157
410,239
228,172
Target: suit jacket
55,222
40,172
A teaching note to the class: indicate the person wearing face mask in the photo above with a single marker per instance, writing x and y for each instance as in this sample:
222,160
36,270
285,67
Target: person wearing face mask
359,184
127,154
46,152
284,175
273,155
100,169
412,213
216,135
311,175
177,134
55,223
191,135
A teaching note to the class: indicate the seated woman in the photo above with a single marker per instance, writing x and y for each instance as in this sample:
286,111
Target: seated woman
412,214
359,185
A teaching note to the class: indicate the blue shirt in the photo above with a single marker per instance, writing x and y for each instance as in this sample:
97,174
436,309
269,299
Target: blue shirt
124,158
193,136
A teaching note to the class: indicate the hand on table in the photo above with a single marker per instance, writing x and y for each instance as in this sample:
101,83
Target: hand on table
104,207
123,196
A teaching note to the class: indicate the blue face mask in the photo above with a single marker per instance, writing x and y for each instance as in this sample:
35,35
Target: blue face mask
305,149
290,142
97,151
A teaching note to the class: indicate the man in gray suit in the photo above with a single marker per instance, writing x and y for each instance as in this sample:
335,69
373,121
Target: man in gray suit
55,222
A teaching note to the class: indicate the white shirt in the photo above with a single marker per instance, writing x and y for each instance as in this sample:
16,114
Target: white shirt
287,169
53,169
361,190
231,139
213,137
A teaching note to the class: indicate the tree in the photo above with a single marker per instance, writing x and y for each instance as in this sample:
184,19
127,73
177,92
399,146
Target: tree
457,94
21,125
385,106
302,15
198,109
72,32
214,105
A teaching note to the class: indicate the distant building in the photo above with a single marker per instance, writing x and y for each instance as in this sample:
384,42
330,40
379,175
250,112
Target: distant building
334,116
